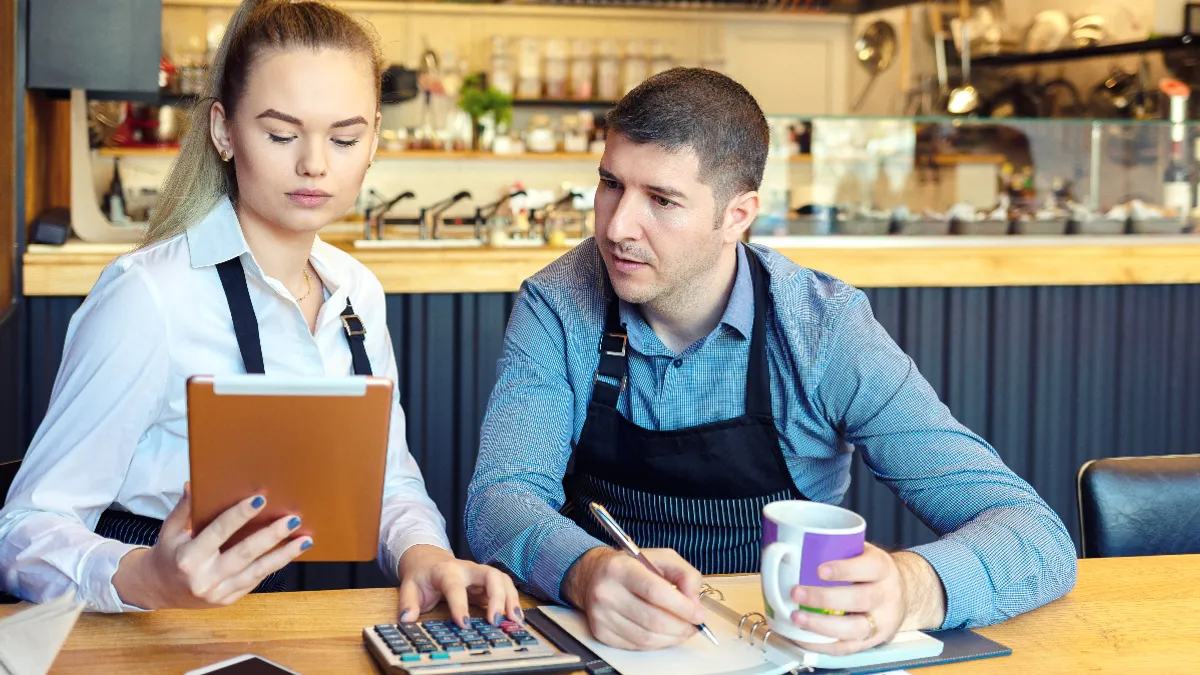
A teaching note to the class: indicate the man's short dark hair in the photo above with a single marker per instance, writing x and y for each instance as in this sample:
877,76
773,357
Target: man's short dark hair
707,112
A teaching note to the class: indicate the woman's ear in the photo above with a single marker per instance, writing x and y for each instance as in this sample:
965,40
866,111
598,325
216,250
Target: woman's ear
218,127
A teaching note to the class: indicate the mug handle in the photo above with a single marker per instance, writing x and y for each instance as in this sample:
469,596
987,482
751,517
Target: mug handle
778,559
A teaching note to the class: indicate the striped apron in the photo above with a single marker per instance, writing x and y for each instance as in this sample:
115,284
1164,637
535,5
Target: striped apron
136,530
699,490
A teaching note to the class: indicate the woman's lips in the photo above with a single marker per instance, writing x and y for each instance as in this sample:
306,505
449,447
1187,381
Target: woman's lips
309,199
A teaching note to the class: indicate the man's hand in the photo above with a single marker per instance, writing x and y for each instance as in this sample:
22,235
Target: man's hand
900,591
186,572
630,607
428,573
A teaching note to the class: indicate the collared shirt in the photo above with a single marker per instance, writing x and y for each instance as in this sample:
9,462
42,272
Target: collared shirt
116,434
838,383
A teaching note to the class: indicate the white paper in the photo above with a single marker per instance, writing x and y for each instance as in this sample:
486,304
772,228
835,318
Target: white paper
31,639
697,656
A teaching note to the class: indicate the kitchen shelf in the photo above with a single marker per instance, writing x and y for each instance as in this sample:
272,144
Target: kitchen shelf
562,103
1158,44
387,154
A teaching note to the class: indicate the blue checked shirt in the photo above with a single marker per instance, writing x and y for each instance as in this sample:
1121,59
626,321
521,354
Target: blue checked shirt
838,382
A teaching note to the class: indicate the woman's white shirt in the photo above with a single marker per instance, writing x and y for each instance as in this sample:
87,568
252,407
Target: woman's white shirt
116,431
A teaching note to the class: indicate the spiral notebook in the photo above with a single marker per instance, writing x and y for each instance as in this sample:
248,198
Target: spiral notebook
730,598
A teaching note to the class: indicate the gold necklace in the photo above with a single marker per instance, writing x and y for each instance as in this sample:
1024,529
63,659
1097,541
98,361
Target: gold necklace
307,284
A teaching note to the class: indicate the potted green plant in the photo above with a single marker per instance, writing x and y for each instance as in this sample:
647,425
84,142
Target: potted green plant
477,99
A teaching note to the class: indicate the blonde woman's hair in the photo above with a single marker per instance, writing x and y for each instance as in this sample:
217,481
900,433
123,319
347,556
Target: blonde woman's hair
198,178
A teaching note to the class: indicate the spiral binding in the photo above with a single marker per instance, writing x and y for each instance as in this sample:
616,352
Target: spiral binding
706,590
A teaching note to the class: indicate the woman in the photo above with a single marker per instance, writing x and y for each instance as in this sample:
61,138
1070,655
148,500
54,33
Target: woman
281,151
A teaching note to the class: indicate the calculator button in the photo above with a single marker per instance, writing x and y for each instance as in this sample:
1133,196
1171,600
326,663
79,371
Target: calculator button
406,658
446,639
439,656
453,648
385,626
477,644
527,640
401,649
425,649
501,643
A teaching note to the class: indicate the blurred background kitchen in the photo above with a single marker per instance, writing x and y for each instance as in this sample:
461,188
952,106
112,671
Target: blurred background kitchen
1014,184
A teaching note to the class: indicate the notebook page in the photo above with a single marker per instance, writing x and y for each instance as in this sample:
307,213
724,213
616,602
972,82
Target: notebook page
743,594
697,656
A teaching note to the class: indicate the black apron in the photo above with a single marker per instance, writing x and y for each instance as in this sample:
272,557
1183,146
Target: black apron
138,530
698,490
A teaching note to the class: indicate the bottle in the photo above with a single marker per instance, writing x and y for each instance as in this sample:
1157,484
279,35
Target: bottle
1177,187
636,66
114,199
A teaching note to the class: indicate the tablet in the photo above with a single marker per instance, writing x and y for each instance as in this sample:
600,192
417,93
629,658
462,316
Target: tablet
315,447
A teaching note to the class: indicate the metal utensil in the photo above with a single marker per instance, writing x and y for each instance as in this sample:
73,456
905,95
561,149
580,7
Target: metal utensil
874,49
964,100
939,47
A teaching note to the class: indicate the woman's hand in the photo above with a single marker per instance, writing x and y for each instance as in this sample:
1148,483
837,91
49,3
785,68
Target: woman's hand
429,573
182,571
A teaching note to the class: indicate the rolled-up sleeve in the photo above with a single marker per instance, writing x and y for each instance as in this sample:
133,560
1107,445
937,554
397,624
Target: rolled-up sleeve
513,502
109,389
1001,549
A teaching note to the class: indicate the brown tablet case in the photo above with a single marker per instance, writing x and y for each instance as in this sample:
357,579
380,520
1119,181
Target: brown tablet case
312,453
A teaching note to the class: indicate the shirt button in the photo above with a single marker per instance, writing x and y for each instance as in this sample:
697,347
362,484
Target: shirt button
678,363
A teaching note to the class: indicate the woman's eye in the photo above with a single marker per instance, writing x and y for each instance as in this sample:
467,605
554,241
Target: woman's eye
282,140
342,143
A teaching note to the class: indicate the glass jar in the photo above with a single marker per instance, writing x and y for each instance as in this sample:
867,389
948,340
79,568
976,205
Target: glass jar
556,70
503,74
540,136
608,71
636,67
574,138
529,69
660,61
582,70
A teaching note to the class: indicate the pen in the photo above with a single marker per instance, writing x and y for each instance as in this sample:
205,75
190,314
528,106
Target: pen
632,549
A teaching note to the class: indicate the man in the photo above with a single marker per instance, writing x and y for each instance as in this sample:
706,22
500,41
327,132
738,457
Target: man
727,377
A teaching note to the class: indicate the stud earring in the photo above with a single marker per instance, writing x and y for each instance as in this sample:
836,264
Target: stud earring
226,155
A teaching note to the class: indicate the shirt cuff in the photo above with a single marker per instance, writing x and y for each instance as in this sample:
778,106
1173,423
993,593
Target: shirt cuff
966,581
96,589
389,557
559,551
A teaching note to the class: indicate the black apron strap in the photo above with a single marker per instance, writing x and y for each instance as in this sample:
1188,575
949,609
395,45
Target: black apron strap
245,323
758,381
356,336
613,343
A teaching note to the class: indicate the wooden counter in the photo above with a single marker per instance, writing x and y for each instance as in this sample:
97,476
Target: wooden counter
1125,615
866,262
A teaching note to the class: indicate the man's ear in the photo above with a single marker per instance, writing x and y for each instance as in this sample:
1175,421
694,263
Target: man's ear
739,215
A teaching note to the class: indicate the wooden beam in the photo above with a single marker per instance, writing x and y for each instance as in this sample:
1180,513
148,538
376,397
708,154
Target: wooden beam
861,261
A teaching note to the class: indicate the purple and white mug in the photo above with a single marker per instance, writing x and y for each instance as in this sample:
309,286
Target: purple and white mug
798,536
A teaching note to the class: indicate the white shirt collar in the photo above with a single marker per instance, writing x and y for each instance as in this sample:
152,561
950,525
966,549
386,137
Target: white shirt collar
218,237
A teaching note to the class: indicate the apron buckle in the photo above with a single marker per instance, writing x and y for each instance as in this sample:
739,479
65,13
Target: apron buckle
608,346
596,380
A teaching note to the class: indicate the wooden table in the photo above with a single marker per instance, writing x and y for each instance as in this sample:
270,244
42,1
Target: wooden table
1126,615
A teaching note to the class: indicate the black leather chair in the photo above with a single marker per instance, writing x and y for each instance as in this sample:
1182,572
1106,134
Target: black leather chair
1130,506
8,472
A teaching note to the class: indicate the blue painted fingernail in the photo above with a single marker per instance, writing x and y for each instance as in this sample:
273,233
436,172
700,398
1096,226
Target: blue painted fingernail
466,620
258,502
497,618
293,523
520,617
404,616
306,545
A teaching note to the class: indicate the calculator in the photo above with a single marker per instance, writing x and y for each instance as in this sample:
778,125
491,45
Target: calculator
441,646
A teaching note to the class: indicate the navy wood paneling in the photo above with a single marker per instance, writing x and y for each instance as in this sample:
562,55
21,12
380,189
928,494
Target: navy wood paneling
1050,376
